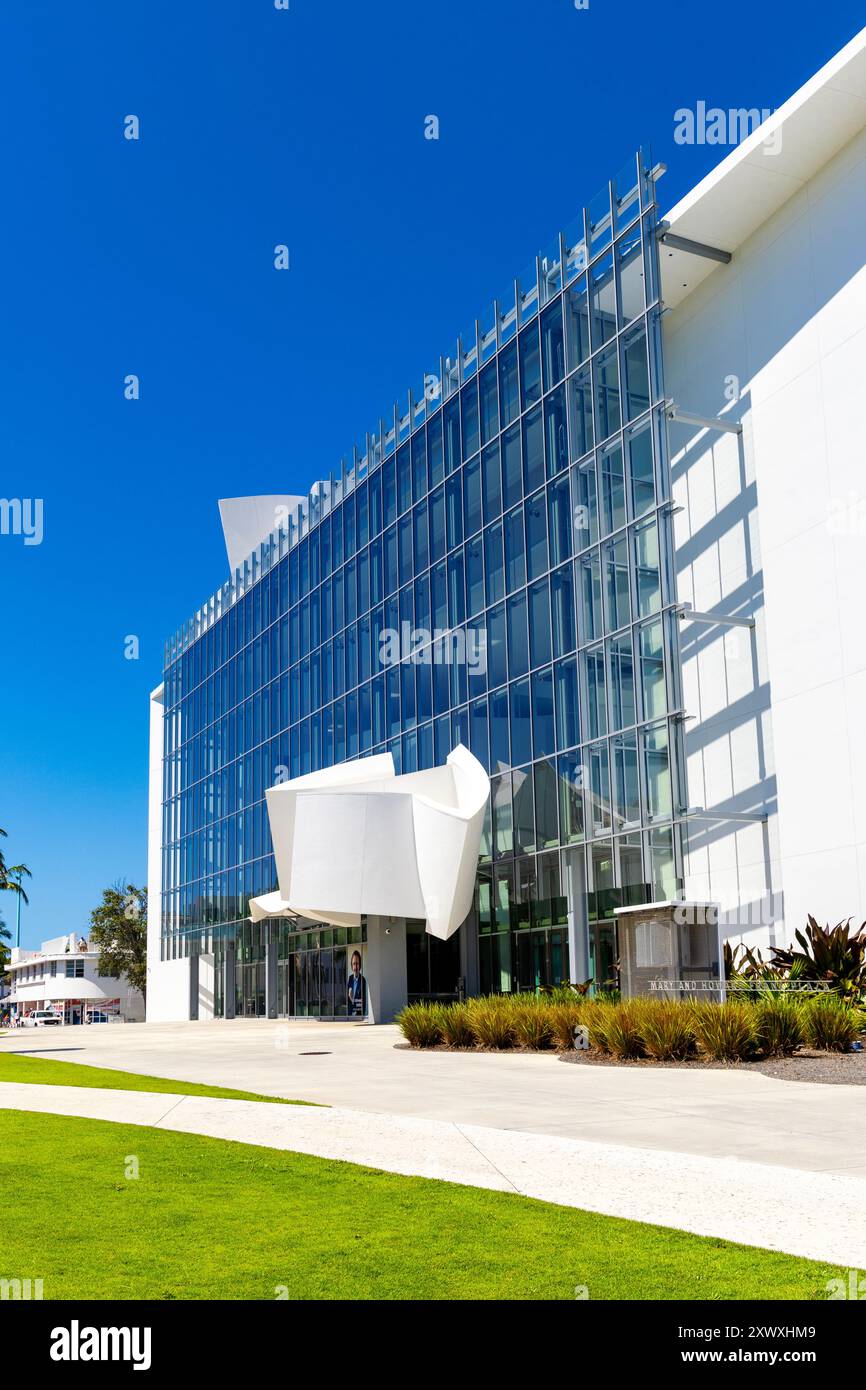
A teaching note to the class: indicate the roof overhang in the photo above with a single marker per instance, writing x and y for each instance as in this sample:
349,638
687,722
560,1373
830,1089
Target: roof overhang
766,169
59,989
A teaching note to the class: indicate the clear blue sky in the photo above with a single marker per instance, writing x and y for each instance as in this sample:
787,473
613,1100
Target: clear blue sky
260,126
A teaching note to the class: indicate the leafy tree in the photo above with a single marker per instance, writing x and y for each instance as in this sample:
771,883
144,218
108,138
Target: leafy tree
118,927
12,874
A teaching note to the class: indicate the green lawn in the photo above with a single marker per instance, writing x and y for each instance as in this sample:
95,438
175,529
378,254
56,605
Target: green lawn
44,1071
211,1219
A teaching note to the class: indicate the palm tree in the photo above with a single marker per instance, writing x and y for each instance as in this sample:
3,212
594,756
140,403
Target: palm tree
5,935
12,874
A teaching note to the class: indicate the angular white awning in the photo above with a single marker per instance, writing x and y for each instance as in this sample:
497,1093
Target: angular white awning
356,839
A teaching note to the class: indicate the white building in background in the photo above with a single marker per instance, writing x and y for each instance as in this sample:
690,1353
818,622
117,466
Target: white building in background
63,975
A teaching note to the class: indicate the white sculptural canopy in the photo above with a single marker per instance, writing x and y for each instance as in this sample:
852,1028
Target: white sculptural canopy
357,839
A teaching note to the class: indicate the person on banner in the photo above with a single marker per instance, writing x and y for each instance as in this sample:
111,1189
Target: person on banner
357,989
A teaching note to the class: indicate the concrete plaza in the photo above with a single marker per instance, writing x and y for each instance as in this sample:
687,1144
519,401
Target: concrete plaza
730,1113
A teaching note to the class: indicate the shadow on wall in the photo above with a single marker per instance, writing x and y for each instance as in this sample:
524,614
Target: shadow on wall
718,344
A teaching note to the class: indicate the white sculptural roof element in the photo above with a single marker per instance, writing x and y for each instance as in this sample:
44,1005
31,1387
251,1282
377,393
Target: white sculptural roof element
247,521
356,839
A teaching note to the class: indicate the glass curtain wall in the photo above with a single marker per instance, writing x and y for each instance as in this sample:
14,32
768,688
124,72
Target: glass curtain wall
496,570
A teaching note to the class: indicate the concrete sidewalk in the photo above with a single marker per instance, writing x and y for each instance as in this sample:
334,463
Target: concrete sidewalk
777,1207
729,1113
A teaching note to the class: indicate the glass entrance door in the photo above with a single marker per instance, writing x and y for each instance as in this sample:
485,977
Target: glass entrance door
432,966
602,955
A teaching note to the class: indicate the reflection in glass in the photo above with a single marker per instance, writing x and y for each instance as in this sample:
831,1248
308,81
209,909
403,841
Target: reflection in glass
596,707
626,780
657,774
571,780
647,582
608,412
621,676
652,670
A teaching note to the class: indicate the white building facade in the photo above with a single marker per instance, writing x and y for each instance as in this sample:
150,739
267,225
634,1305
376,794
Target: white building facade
771,525
63,975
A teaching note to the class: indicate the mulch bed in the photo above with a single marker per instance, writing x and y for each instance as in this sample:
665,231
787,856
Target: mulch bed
827,1068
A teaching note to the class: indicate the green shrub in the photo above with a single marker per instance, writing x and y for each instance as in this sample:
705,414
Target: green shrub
564,1018
666,1029
566,992
778,1025
615,1028
491,1020
837,954
531,1022
455,1025
830,1025
421,1024
726,1032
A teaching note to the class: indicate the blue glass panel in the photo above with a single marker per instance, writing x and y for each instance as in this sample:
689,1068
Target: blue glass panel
555,432
533,450
454,512
567,719
389,495
496,650
472,497
437,524
543,737
512,468
552,345
530,366
518,645
489,404
500,756
453,453
521,722
404,479
471,428
536,535
515,553
539,624
509,390
493,563
419,466
435,452
479,732
475,598
491,482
